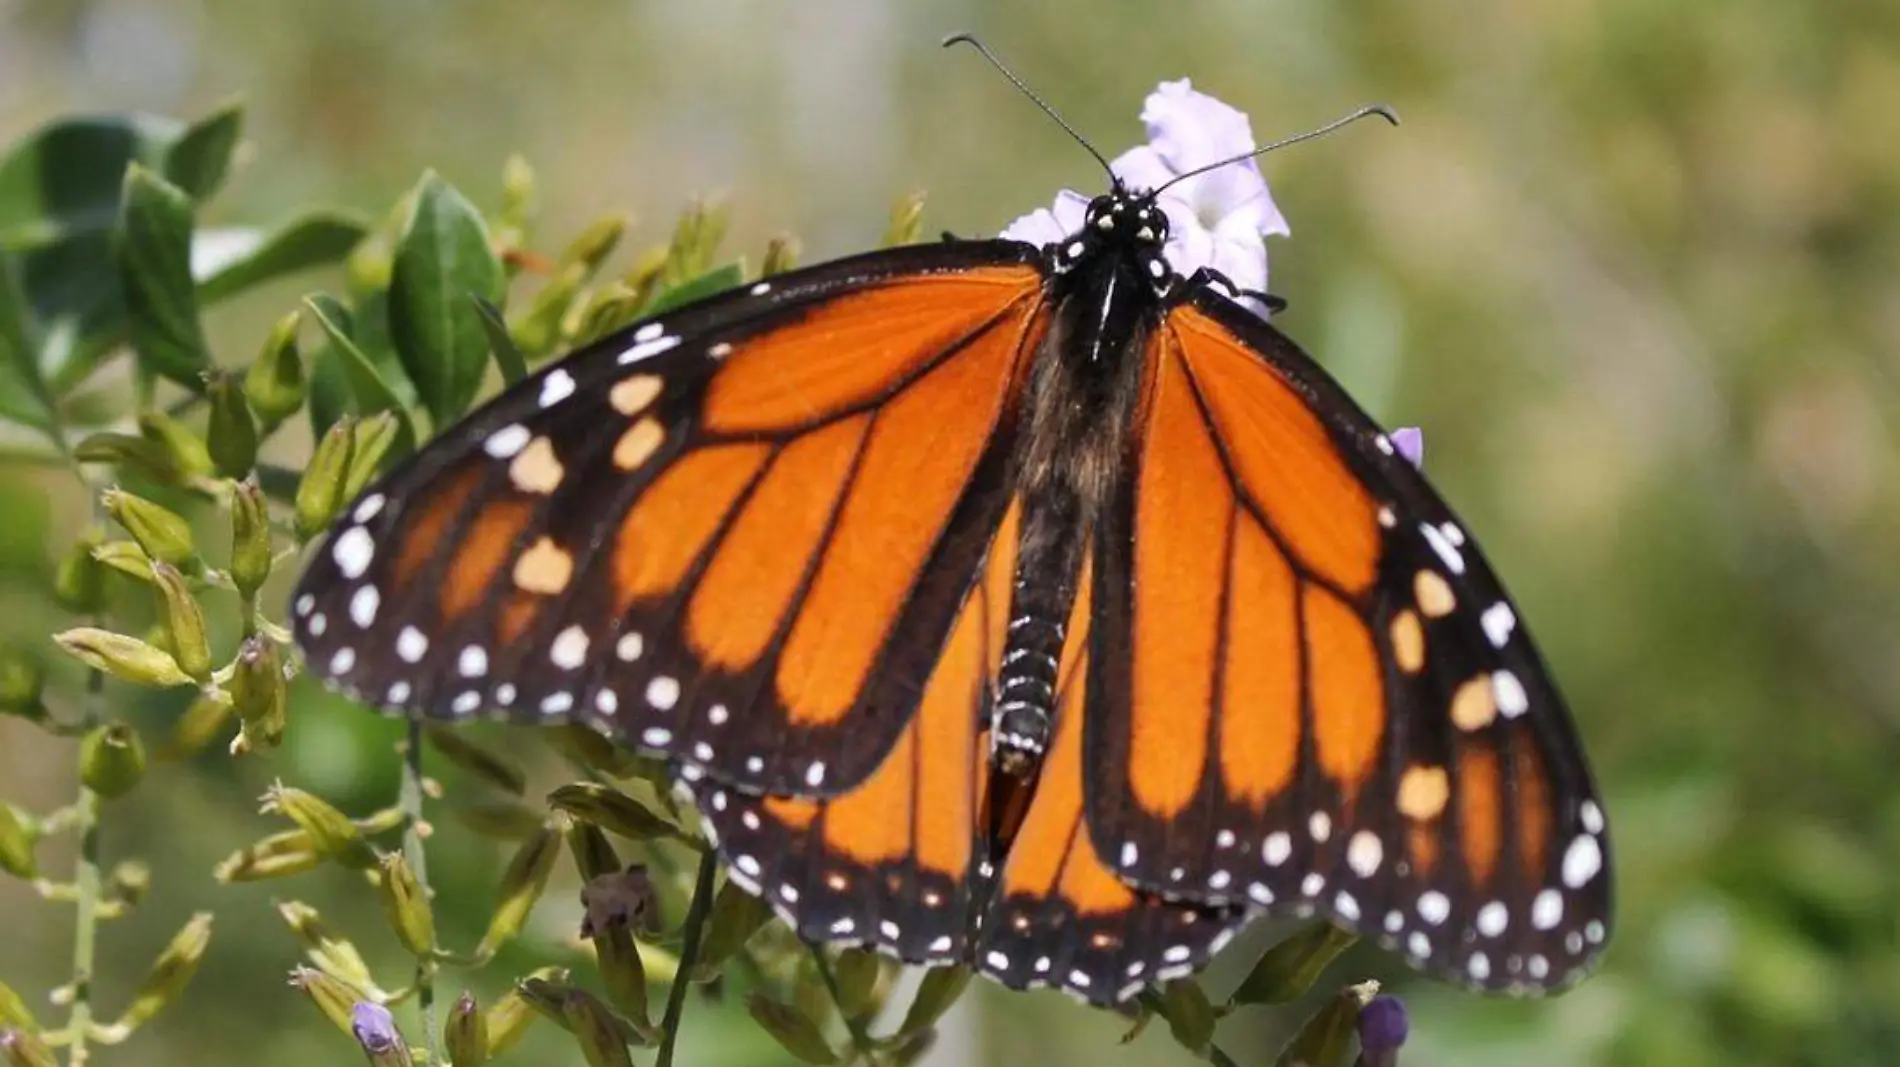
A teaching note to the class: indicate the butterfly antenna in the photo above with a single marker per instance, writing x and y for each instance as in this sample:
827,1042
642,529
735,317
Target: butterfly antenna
1380,110
982,49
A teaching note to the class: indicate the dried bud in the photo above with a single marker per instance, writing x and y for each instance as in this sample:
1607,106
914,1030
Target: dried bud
611,810
275,383
320,494
1190,1016
277,856
111,760
25,1050
331,832
406,906
511,1016
603,1041
907,221
17,839
491,767
1383,1028
375,1030
624,900
333,954
259,692
736,916
465,1033
781,255
125,658
936,994
170,973
857,973
184,450
795,1032
375,437
250,538
331,996
183,622
622,973
22,678
585,746
521,885
161,533
596,242
79,585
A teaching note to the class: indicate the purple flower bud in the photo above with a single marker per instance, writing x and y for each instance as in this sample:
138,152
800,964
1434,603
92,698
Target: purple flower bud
1382,1030
374,1027
623,899
1410,441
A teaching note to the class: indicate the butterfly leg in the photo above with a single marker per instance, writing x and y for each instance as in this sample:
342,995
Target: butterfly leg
1209,276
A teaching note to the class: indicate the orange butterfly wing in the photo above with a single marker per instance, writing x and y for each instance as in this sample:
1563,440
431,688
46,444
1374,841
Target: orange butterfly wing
736,536
1308,690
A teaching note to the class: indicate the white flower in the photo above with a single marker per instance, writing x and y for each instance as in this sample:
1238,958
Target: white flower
1219,219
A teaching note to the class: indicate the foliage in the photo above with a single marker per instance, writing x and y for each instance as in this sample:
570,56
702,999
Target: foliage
112,378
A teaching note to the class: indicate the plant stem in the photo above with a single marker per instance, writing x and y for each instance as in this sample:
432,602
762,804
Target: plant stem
86,882
860,1037
410,799
689,951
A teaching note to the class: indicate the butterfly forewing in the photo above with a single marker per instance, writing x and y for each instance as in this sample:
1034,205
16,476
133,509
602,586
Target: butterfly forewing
1313,694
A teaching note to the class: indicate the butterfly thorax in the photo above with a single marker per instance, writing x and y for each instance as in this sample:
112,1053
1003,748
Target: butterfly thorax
1107,288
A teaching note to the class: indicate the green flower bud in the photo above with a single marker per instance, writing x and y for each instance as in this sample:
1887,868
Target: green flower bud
22,678
125,658
465,1033
594,857
160,532
857,973
111,760
125,557
331,832
795,1032
585,746
375,436
1327,1037
257,686
231,435
1287,970
517,193
781,255
500,820
611,810
406,906
14,1012
596,242
491,767
521,885
24,1050
936,994
184,449
696,237
277,856
250,538
736,916
79,585
171,973
130,453
16,857
331,996
511,1015
614,305
602,1038
275,383
1190,1016
538,330
320,494
645,278
202,721
129,882
184,622
907,221
332,954
622,974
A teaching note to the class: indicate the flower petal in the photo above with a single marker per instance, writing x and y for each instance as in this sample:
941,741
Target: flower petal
1141,169
1048,225
1191,129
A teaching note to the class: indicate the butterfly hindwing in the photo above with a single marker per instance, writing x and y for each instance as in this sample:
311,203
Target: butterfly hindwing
733,535
1311,691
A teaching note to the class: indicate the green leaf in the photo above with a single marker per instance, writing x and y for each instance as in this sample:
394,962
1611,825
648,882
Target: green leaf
201,157
317,239
1287,970
716,280
514,366
442,258
1189,1014
23,394
366,384
153,248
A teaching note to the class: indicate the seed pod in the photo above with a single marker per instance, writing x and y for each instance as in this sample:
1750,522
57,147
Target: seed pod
171,972
406,906
275,384
320,494
160,532
183,622
111,760
250,538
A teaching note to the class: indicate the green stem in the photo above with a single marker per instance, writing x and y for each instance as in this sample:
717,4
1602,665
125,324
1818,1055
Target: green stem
860,1037
86,883
689,952
410,799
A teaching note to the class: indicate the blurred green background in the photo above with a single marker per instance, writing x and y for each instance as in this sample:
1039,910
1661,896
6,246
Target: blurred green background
1634,267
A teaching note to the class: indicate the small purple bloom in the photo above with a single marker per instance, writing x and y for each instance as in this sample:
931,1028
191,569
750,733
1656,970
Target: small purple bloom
1383,1027
374,1027
1220,219
1410,441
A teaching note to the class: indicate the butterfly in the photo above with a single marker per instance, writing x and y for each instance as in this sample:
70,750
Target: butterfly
1028,606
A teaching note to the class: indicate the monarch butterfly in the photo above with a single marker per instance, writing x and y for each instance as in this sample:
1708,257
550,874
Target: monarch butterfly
1036,607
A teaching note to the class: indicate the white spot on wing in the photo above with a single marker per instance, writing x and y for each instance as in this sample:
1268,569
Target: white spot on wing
505,442
1582,860
1454,559
412,644
648,349
473,662
1498,620
353,551
363,605
569,650
556,387
663,692
368,509
1509,692
1547,909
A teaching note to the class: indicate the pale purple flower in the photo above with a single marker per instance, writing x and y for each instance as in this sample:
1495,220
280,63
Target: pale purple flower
1220,219
1410,441
376,1031
1383,1028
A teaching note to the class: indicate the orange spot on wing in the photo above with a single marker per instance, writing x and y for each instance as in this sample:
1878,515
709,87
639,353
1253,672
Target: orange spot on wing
515,616
852,350
1260,691
1480,810
1348,689
871,824
795,812
484,549
1534,815
1282,455
1182,514
666,530
999,579
922,448
945,731
1422,840
432,523
748,587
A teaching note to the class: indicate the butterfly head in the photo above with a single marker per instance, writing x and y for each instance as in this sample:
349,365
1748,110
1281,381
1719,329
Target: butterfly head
1119,223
